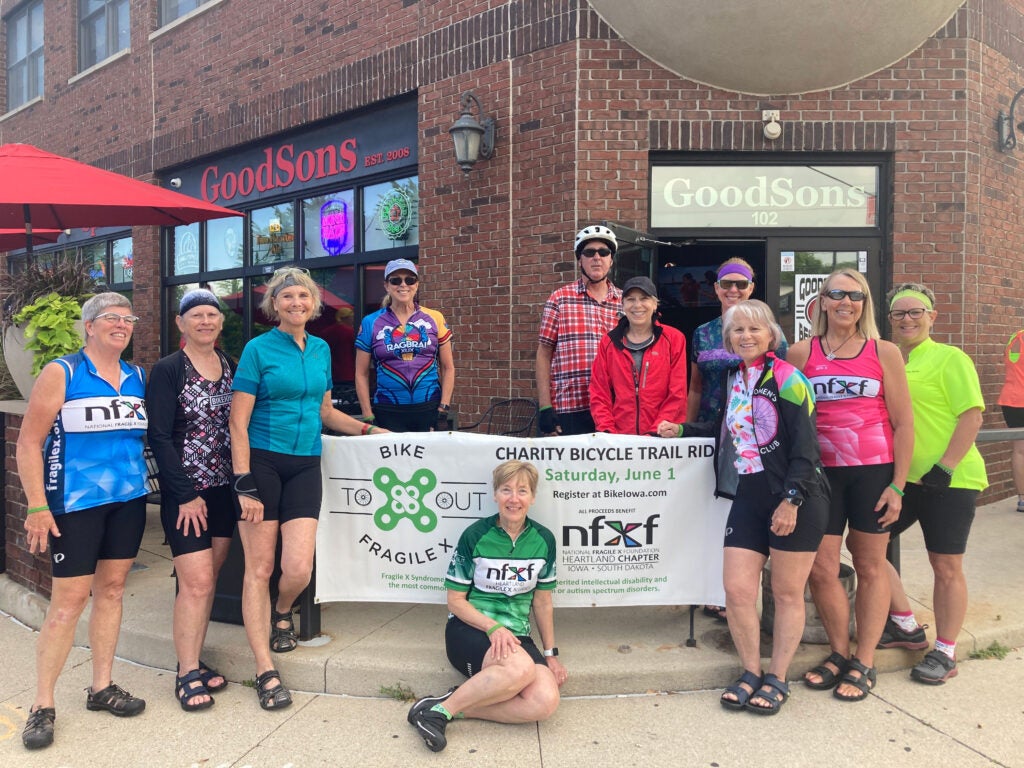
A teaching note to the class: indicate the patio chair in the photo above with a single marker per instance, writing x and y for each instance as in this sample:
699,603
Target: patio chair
517,416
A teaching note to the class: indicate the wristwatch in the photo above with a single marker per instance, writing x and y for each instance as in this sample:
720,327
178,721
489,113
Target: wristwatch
444,407
793,497
551,651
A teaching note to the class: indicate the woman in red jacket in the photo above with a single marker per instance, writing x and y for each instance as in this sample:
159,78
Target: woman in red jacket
639,374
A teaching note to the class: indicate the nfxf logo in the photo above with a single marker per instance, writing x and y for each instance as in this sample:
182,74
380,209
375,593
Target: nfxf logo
509,572
622,534
844,388
115,411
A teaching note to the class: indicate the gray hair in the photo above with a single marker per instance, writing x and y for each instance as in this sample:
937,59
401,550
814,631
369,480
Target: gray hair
756,311
101,302
285,278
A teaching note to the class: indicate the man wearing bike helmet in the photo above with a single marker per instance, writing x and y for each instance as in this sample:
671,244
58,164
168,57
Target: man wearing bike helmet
575,318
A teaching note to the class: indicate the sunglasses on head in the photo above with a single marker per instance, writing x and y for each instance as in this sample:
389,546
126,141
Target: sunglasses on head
596,252
917,313
837,295
738,284
408,280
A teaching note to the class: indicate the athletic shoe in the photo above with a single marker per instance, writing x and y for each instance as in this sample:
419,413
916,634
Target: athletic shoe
895,637
935,669
38,731
431,725
427,702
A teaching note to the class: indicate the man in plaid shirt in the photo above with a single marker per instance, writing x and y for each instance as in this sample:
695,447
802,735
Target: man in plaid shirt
575,318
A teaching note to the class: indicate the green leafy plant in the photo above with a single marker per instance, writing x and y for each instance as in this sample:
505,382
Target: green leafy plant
55,290
398,691
50,328
995,650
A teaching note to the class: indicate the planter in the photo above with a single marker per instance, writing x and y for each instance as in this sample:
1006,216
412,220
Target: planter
19,359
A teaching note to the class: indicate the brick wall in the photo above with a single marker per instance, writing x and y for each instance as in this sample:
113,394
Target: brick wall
579,113
23,568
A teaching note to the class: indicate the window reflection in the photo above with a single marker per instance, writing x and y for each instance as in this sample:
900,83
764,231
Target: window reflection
273,234
329,225
224,243
391,214
185,255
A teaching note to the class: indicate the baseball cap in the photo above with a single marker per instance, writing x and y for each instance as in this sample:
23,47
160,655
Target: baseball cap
396,264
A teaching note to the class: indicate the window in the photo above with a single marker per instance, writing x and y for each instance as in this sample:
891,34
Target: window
102,30
174,9
25,55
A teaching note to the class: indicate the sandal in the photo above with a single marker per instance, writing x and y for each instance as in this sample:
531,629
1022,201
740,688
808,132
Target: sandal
272,697
191,686
774,692
38,731
829,679
742,694
716,612
208,673
864,682
115,700
282,639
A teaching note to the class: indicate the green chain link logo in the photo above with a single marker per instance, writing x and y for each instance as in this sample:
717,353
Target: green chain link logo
405,500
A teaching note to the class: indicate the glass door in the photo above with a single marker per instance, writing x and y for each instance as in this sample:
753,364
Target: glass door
797,268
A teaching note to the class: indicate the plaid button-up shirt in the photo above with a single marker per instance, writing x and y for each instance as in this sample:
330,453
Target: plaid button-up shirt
572,324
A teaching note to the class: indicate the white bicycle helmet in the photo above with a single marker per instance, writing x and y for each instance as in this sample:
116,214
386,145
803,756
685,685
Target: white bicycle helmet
595,232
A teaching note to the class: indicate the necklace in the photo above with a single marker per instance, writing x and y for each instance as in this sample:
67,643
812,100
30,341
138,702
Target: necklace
831,354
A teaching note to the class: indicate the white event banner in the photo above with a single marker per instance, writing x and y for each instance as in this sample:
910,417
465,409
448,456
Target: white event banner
634,518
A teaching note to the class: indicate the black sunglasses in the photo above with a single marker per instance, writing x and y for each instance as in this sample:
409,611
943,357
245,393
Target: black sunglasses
408,280
837,295
739,284
596,252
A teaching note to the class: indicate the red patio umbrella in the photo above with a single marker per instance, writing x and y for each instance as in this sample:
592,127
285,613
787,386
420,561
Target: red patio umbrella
12,239
41,190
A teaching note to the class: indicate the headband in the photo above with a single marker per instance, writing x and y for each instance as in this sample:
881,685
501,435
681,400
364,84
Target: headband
727,269
909,294
288,281
197,298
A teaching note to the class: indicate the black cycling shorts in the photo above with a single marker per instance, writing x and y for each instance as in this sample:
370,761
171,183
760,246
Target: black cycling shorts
855,491
466,646
221,513
1014,417
945,515
290,487
107,532
750,519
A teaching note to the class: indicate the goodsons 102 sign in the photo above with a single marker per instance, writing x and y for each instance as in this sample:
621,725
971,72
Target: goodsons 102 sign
743,196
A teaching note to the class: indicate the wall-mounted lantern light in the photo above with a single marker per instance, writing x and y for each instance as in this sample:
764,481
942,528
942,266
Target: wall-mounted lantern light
474,139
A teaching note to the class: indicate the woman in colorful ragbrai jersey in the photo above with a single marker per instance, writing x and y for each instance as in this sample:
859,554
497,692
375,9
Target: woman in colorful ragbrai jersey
411,349
503,565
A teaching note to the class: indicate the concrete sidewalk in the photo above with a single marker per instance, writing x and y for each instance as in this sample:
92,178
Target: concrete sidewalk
609,651
971,722
368,648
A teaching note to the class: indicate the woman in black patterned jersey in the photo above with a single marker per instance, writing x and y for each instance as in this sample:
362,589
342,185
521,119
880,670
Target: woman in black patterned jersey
189,397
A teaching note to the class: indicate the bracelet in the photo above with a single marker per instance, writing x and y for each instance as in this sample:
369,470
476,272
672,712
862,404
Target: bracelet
680,430
494,629
367,426
893,486
367,419
944,468
33,510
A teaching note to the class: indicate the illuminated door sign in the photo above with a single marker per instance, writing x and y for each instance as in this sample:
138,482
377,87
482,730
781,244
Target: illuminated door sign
334,226
744,196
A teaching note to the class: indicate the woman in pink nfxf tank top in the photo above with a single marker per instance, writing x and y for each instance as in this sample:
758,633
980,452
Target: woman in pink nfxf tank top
866,432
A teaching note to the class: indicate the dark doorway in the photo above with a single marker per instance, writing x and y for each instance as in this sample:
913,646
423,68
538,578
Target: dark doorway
686,275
